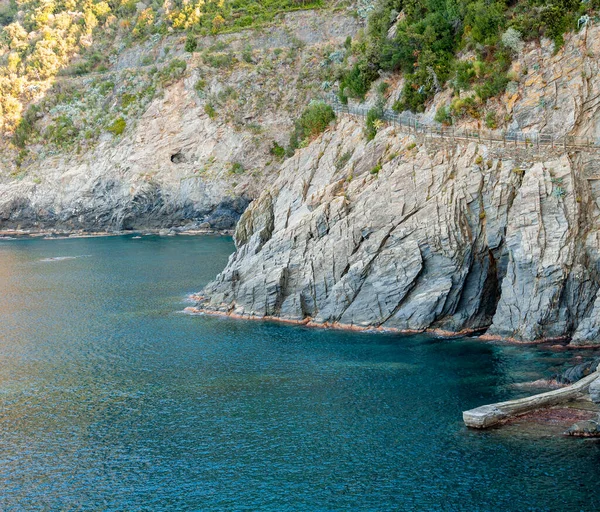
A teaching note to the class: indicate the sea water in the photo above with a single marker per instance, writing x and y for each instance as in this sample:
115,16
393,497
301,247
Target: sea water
112,399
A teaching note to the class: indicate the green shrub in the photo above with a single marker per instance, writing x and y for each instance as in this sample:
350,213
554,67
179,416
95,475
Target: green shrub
26,127
210,110
356,82
62,131
432,32
200,86
492,87
484,19
105,87
190,43
442,115
462,107
373,121
117,127
127,99
490,120
313,121
171,72
228,93
376,169
277,150
7,13
247,55
464,74
219,60
343,160
237,168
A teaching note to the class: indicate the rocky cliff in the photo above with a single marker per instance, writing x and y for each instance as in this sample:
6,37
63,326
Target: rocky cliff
195,146
407,234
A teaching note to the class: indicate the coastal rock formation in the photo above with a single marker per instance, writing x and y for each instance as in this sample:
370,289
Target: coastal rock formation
416,233
578,372
595,391
590,428
405,234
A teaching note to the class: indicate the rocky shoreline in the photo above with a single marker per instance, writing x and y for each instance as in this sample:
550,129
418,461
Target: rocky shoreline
451,240
557,343
60,234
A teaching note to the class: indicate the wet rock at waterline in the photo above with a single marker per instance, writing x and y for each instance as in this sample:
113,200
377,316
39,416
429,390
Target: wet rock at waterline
595,391
578,372
589,428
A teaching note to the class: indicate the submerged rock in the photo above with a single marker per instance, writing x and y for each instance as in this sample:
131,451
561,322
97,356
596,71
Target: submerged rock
578,372
588,428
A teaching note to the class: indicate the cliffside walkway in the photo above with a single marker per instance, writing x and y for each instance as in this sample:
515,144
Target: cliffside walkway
411,123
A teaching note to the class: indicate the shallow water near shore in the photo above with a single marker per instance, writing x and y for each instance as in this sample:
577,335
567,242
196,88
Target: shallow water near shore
111,399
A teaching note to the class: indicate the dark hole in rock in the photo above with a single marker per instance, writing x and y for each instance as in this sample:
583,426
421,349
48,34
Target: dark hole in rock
178,158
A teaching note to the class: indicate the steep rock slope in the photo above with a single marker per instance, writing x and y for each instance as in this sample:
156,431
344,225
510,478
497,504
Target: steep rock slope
412,234
444,236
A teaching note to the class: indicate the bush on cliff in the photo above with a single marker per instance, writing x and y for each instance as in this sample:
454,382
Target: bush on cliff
374,121
118,126
421,39
313,121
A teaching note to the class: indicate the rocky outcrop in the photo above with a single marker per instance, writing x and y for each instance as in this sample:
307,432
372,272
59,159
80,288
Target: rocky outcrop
577,372
589,428
405,235
412,234
595,391
159,176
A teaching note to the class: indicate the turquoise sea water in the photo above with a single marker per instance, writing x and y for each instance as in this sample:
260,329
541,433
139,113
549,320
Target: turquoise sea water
111,399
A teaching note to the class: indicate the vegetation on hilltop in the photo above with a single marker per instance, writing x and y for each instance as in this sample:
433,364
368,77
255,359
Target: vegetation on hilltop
423,38
41,38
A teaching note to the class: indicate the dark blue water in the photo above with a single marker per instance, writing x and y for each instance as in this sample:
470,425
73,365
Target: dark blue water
110,399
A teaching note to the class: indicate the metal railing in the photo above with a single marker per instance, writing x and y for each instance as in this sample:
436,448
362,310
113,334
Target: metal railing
436,130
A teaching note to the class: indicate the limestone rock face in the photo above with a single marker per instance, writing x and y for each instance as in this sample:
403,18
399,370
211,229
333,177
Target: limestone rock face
153,178
411,234
447,236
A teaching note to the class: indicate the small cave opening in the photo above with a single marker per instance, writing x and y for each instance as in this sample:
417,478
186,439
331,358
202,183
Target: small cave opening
492,289
178,158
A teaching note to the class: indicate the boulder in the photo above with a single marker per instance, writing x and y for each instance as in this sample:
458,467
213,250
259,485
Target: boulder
588,428
578,372
595,391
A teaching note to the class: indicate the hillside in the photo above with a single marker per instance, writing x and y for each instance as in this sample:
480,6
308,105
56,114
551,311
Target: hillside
166,135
